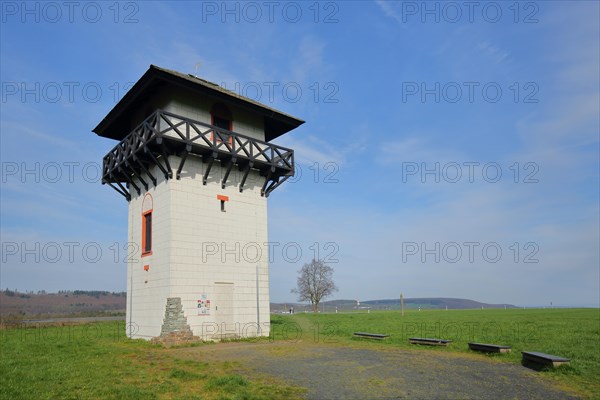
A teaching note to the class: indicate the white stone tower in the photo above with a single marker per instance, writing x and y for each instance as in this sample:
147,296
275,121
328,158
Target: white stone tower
195,164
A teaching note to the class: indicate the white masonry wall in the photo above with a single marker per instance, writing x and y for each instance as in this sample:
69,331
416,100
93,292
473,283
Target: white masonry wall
147,291
201,253
198,108
217,255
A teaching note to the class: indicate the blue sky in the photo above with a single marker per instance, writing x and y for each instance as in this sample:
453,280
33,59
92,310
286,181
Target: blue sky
448,151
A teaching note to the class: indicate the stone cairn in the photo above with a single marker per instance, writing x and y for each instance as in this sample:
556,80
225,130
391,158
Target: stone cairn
175,329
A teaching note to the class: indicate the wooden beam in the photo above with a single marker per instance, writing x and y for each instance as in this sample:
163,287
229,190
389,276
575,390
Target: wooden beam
122,192
229,166
157,163
208,168
183,158
130,181
166,158
246,171
275,185
267,180
136,174
142,166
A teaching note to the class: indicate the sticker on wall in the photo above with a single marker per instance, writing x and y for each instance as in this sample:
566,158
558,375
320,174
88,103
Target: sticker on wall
203,305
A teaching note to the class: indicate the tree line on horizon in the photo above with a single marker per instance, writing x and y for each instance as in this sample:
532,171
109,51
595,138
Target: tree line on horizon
93,293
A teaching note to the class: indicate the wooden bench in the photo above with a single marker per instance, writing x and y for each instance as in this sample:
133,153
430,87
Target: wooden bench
543,359
489,348
429,341
377,336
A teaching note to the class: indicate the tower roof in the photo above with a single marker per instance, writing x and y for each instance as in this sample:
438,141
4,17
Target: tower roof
115,125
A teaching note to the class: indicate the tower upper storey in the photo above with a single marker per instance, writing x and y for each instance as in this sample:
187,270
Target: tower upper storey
167,113
191,97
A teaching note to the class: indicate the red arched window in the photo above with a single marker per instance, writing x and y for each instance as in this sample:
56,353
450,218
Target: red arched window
147,207
221,118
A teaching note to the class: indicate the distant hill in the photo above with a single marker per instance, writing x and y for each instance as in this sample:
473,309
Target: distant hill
81,303
394,304
437,302
17,305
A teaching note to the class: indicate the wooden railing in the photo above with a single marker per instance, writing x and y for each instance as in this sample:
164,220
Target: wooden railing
163,134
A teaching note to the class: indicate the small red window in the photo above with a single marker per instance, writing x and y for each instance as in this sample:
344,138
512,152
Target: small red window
221,118
223,199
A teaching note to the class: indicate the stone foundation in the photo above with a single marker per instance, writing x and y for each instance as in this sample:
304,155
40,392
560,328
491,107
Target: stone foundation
175,329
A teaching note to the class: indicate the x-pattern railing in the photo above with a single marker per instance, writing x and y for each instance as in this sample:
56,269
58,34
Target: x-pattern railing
195,137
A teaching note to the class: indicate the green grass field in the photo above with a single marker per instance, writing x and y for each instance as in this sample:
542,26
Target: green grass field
97,361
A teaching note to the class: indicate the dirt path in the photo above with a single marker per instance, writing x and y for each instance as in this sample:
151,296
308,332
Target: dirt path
337,372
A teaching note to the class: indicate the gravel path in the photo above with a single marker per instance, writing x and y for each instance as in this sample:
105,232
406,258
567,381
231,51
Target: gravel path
336,372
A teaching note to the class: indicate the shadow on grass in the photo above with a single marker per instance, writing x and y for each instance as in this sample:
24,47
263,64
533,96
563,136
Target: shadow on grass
565,369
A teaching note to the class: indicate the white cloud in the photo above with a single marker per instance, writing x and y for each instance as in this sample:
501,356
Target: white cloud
493,52
415,148
309,59
22,133
388,10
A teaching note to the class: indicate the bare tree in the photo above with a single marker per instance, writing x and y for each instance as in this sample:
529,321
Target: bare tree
315,282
